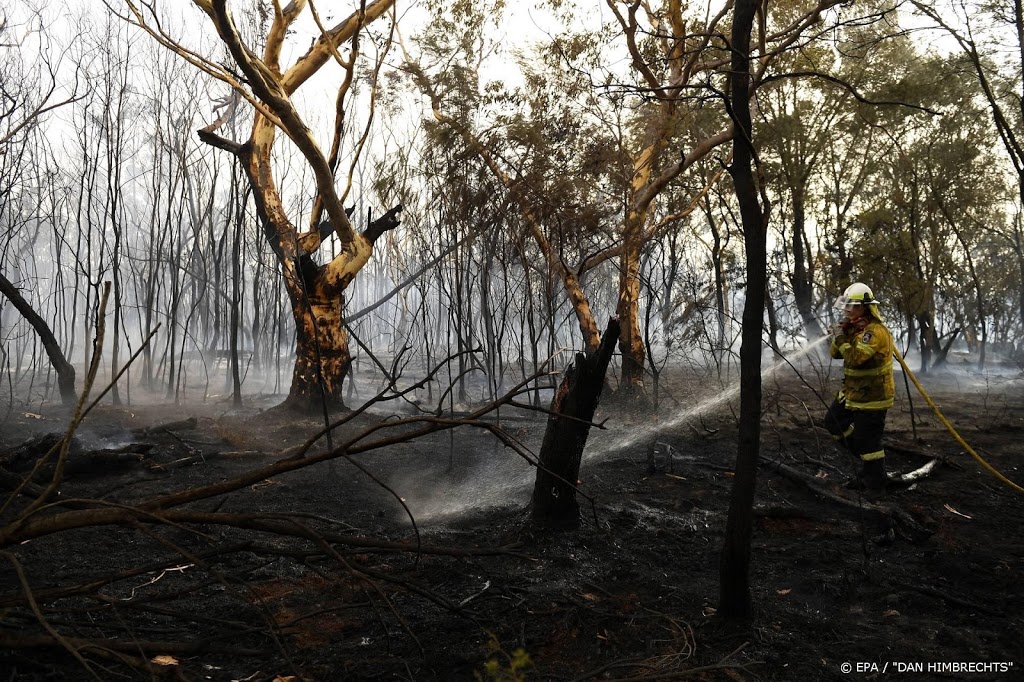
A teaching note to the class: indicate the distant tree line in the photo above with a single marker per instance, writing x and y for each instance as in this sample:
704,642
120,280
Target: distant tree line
542,189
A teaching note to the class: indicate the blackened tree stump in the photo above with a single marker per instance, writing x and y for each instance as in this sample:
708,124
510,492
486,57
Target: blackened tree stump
572,411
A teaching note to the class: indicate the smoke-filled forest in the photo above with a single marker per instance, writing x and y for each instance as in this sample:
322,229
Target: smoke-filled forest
506,341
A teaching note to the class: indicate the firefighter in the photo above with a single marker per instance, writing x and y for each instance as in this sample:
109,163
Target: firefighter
856,418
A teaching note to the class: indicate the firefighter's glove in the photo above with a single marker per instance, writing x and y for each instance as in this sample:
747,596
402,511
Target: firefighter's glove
838,332
852,328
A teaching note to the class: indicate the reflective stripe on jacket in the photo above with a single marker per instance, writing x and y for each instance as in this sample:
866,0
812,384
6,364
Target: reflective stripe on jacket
867,367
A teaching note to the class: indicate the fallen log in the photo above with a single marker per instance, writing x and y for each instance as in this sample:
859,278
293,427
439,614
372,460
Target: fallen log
910,528
179,425
100,462
25,456
11,481
80,461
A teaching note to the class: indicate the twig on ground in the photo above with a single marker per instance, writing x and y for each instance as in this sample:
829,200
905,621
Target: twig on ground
955,601
57,638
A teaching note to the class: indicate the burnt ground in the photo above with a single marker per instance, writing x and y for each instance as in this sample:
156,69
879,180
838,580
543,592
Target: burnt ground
630,594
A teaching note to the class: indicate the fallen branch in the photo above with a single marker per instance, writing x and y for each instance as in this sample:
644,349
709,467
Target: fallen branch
955,601
916,531
128,646
204,457
915,475
53,593
109,514
724,664
19,484
55,637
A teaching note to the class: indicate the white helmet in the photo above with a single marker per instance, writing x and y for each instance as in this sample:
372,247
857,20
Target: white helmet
858,294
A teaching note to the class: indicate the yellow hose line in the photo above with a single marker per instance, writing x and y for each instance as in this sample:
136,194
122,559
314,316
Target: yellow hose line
949,427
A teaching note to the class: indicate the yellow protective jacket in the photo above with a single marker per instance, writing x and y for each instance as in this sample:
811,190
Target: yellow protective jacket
867,367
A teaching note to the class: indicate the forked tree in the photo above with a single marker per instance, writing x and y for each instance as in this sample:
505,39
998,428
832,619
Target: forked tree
316,291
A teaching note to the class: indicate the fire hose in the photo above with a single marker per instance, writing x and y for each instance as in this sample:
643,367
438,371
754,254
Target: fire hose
949,427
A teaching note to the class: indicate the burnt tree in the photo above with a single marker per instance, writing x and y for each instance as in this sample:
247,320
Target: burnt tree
64,369
316,291
734,595
572,410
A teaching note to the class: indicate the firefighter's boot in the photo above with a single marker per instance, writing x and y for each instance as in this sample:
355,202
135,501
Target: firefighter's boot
874,478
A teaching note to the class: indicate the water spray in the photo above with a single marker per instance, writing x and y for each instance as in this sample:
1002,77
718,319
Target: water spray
720,398
949,427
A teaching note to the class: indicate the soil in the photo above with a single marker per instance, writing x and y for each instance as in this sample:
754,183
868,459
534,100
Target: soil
925,585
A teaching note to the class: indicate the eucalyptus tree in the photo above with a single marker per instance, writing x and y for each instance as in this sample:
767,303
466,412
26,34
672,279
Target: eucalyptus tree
799,124
990,35
929,202
825,113
529,132
637,82
259,78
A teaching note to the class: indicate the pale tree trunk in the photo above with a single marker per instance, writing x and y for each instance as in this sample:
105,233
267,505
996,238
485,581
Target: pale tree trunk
631,341
652,168
316,292
642,196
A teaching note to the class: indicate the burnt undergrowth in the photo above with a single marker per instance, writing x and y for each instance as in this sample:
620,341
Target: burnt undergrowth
417,560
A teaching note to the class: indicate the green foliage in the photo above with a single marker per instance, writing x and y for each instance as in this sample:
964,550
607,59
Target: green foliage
502,666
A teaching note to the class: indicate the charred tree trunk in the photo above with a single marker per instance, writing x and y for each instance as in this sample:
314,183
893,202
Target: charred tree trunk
322,357
65,371
576,398
928,338
719,268
734,594
802,278
236,296
942,350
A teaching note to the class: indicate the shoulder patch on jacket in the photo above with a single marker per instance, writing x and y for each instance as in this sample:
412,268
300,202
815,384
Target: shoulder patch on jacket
866,337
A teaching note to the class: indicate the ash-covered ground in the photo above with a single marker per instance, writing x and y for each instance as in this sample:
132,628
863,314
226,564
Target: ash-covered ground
417,560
